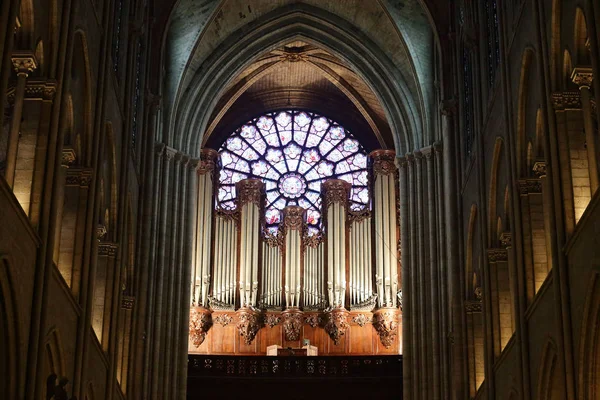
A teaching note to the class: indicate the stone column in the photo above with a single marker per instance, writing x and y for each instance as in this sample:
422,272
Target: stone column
250,201
384,209
24,64
583,78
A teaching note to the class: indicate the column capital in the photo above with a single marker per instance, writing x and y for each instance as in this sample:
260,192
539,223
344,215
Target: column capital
506,239
170,153
383,162
540,168
448,107
293,218
582,77
208,161
24,62
68,156
401,162
250,191
335,191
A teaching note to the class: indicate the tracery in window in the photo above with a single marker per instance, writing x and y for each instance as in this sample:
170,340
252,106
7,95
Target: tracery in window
293,152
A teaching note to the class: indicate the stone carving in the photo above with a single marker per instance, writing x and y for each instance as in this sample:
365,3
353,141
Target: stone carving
566,100
478,293
582,77
539,168
68,156
292,323
530,186
223,320
335,191
200,323
473,306
24,62
248,324
361,320
337,324
127,302
383,162
497,255
294,54
385,322
100,231
81,177
249,191
313,320
506,239
107,249
271,320
207,161
293,217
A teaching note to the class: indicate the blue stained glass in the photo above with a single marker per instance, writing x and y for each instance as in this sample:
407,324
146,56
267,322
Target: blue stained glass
293,153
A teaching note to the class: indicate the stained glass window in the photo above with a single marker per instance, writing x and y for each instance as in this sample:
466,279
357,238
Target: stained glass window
292,152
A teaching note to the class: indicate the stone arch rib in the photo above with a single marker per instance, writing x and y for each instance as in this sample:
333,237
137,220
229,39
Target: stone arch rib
316,26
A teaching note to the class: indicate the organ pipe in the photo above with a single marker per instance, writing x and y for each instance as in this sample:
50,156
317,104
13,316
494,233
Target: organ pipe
384,199
250,198
335,194
293,218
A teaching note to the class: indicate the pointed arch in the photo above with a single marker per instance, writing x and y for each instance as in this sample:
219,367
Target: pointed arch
548,385
492,194
581,53
524,93
469,270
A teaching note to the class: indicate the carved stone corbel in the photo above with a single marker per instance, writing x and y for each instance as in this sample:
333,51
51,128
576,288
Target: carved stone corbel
292,323
385,322
337,324
200,323
249,323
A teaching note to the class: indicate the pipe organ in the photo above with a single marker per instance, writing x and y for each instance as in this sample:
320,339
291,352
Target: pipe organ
350,264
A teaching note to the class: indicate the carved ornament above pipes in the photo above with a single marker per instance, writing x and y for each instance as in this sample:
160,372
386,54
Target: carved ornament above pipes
249,323
250,191
293,217
337,324
200,323
292,323
361,320
383,162
207,162
335,191
385,322
271,320
313,320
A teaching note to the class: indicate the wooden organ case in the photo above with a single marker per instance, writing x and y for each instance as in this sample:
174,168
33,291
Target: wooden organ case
339,288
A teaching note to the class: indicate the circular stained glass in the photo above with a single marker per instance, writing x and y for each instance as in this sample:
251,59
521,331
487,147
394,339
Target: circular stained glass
292,185
292,152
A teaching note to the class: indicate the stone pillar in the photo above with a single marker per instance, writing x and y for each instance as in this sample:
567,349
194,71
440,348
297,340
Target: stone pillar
205,204
583,78
293,218
386,238
24,64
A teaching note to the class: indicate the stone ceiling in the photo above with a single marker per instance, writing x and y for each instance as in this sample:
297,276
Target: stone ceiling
299,70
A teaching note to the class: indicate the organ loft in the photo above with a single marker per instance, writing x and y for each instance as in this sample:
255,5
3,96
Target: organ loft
230,199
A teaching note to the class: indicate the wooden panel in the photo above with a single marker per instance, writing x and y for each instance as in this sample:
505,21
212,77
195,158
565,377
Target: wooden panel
361,339
269,336
222,339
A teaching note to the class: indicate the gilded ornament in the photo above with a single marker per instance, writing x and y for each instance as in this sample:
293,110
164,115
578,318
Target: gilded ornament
271,320
223,320
24,62
313,320
385,322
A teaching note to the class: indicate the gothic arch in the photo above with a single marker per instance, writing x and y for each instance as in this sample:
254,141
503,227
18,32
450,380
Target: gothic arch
54,363
469,270
314,26
548,385
9,334
589,347
81,93
524,94
24,38
580,35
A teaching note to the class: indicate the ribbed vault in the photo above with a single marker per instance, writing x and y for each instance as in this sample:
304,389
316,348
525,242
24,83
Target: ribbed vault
364,67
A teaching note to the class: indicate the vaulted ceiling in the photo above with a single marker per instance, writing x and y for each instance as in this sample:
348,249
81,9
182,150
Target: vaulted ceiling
313,68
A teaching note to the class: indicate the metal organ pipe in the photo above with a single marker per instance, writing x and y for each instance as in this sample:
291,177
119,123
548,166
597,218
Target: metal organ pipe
384,198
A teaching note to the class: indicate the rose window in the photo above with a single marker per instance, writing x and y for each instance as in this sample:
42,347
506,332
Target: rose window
292,152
